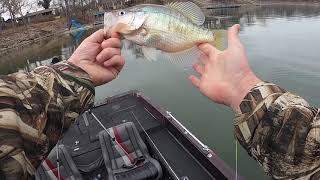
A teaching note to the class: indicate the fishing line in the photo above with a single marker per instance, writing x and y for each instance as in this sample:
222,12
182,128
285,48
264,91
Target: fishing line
236,159
113,139
316,128
58,163
176,176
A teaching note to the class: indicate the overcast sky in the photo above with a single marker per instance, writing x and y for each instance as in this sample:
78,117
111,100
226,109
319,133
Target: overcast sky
32,6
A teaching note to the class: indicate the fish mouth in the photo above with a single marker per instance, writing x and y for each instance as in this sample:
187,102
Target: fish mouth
109,21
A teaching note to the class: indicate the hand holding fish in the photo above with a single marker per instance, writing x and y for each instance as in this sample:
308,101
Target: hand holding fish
226,76
99,57
175,29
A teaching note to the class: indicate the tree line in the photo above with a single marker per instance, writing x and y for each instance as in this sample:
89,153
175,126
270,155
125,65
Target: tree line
81,10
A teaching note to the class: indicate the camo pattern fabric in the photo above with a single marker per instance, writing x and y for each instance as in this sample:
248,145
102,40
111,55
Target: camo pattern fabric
35,109
281,131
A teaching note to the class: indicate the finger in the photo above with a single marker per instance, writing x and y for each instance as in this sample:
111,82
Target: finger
207,49
204,59
195,81
115,35
107,53
97,37
199,68
233,34
116,61
111,43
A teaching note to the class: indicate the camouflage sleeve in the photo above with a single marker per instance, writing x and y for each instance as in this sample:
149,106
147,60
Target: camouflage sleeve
281,131
35,108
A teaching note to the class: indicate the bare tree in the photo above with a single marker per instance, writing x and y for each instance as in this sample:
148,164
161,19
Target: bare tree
2,11
9,5
18,5
14,7
67,9
44,3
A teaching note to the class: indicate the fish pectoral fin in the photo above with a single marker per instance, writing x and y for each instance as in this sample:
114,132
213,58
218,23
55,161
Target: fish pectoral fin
185,58
150,54
151,39
143,32
190,10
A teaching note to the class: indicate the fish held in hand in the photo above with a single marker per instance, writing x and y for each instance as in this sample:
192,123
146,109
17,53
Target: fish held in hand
173,30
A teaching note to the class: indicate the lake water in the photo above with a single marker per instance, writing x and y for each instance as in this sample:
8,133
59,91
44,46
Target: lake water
283,47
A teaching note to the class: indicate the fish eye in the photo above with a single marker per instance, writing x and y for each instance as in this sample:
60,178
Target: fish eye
121,13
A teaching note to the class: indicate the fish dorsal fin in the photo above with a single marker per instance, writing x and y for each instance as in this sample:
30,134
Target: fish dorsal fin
190,10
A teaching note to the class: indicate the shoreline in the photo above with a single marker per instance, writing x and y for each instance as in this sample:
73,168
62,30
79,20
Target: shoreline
56,31
28,41
292,3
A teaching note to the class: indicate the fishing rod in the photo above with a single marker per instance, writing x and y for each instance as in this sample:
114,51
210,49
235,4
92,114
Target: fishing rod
113,139
154,145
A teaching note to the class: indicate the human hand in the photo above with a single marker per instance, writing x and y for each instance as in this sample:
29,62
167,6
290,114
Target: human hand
226,77
99,57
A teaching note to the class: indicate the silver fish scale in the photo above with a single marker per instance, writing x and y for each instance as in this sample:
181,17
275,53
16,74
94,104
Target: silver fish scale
166,32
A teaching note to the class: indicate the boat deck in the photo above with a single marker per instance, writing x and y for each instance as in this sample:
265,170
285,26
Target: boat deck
182,162
154,128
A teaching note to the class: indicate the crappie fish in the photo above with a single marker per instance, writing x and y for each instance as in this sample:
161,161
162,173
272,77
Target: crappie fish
174,29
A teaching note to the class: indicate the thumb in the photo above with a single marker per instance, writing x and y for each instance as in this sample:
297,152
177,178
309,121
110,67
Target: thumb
115,35
233,35
97,37
207,49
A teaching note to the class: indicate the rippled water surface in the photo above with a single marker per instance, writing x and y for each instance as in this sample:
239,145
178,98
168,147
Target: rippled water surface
283,47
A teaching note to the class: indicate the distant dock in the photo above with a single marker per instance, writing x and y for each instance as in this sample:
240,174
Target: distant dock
223,7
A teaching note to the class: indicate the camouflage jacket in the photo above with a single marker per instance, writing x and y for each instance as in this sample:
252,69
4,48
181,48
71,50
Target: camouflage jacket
278,129
35,109
281,131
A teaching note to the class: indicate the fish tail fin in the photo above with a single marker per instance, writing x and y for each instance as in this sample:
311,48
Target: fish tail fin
219,39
